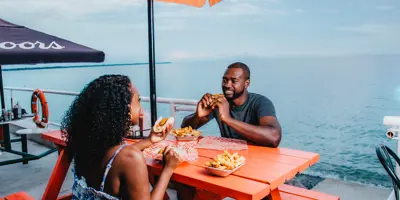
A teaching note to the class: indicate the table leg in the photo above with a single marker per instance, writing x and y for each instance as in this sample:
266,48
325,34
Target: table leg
206,195
57,176
275,195
6,136
24,145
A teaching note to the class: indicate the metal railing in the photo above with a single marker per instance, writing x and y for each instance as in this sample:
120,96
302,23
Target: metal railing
176,104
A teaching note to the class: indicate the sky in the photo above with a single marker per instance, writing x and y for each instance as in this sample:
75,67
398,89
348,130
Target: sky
263,28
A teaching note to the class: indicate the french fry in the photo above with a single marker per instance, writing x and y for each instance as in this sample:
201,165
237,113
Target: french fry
161,151
182,132
226,161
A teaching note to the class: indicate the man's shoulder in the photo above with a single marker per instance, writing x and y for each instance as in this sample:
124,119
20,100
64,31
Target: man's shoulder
259,98
262,105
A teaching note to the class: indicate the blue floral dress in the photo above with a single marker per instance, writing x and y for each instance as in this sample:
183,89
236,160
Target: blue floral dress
80,189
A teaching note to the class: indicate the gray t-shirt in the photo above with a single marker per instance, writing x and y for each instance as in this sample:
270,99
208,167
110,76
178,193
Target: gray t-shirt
255,107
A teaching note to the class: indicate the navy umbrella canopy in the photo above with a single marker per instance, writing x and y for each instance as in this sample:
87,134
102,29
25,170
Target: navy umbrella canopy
21,45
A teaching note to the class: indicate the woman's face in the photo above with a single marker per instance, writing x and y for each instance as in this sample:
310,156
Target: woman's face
135,106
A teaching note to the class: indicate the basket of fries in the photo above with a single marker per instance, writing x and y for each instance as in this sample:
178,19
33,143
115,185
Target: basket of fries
186,134
225,164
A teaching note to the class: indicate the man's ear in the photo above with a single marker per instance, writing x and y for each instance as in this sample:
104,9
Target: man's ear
247,83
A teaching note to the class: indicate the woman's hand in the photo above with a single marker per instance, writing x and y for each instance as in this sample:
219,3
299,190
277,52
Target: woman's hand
158,137
171,158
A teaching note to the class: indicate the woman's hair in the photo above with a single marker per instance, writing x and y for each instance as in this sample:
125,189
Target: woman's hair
97,120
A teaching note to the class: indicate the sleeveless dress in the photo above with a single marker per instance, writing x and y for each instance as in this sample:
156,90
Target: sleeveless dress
80,189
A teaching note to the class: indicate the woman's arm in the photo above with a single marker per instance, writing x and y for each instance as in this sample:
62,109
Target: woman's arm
153,138
135,174
142,144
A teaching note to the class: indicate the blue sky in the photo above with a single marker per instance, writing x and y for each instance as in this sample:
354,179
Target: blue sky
266,28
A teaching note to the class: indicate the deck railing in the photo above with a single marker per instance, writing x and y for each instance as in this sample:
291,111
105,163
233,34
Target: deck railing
175,104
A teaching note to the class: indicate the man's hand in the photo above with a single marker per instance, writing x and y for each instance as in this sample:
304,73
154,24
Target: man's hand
203,108
223,108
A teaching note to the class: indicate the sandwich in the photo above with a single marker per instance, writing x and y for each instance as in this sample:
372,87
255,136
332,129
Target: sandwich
214,98
161,123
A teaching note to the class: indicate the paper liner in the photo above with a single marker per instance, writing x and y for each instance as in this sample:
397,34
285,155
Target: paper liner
187,151
221,143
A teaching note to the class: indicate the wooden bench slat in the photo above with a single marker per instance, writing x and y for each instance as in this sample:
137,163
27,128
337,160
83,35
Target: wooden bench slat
19,196
302,192
287,196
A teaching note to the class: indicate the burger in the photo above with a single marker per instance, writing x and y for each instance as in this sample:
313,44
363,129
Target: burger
214,98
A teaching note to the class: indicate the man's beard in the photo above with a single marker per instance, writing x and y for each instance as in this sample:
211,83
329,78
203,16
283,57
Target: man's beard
235,95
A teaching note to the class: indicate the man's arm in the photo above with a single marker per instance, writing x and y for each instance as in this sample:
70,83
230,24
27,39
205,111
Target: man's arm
194,121
267,134
269,131
202,110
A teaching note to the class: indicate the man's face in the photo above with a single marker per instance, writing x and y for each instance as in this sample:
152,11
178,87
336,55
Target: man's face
234,83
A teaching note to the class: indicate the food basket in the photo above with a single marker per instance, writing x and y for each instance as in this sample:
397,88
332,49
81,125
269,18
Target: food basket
186,134
222,172
225,164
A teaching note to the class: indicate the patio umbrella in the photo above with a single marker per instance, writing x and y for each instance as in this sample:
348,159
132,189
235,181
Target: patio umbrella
150,20
195,3
21,45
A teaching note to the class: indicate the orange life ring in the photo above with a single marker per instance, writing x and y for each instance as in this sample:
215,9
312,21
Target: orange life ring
34,108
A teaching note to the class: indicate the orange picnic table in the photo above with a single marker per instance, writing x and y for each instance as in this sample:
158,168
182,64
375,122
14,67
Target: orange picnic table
266,170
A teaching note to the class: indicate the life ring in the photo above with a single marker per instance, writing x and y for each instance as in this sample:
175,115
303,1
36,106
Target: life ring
34,108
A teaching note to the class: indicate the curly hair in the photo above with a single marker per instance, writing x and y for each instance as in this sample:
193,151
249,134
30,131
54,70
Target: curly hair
97,120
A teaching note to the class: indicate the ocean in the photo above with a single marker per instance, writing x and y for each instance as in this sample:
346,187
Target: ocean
330,105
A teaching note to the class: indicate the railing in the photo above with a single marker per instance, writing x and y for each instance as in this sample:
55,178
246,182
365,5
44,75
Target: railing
176,104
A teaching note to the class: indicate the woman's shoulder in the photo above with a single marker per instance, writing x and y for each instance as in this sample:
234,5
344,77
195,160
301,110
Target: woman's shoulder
131,153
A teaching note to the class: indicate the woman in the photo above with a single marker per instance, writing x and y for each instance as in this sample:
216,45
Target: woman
105,167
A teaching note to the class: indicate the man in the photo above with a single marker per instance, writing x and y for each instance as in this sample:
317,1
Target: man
240,114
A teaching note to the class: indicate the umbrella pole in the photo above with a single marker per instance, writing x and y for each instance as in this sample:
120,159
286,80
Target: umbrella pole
6,127
152,64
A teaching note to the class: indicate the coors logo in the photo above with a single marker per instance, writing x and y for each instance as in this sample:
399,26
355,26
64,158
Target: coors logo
30,45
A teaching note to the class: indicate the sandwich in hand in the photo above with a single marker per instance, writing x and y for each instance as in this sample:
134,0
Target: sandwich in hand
214,98
162,123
